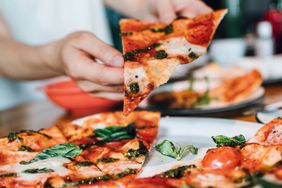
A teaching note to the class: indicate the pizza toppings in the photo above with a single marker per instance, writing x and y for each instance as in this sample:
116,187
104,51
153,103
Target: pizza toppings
134,153
222,140
90,181
8,175
25,148
134,88
84,163
222,158
167,30
178,172
169,149
38,170
13,136
66,150
115,133
161,54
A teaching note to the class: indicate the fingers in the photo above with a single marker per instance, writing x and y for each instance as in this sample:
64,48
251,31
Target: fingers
192,8
91,87
80,66
100,50
165,10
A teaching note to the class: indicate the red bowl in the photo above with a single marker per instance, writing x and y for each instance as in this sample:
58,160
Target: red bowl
67,95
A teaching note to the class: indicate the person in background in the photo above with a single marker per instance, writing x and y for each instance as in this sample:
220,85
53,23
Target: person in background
49,38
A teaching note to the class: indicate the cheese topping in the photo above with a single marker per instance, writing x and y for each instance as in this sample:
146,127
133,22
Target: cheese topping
180,46
136,75
55,164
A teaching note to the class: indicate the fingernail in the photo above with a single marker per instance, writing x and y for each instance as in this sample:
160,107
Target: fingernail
118,61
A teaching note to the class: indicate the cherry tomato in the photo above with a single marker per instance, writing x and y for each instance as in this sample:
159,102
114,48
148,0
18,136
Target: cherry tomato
222,158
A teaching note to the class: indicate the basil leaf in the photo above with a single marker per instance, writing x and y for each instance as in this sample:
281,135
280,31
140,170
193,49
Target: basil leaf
130,56
107,160
13,136
134,88
184,185
125,173
203,100
25,148
116,133
161,54
66,150
167,148
222,140
38,170
84,163
132,154
178,172
8,175
90,181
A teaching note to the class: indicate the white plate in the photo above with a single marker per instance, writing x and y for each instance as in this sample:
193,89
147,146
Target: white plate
184,131
270,112
200,86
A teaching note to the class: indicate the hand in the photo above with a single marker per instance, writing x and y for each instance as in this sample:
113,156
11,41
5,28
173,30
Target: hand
94,65
167,10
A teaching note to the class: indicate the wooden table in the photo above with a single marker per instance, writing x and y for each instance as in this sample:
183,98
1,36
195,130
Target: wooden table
43,114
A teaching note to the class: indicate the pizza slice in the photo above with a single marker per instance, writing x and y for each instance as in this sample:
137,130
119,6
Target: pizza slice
153,50
105,149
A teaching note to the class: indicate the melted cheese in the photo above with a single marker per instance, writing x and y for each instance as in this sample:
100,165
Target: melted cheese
55,164
135,75
180,46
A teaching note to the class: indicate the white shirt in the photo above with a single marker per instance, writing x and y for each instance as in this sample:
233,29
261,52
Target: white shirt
41,21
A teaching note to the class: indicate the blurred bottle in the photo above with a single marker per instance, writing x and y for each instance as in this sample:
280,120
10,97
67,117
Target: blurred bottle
264,42
274,16
234,18
250,40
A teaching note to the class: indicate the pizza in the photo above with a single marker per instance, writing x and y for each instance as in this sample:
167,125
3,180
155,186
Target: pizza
238,88
153,50
104,148
217,93
233,163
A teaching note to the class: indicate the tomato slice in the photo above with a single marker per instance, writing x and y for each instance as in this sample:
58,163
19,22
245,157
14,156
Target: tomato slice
222,158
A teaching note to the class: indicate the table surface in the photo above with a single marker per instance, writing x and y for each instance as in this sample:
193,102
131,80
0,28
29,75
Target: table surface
44,114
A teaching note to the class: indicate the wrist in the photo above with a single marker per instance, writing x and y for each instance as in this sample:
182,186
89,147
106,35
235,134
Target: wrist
51,58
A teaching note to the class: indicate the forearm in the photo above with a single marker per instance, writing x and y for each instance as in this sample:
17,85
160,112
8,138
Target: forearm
131,8
24,62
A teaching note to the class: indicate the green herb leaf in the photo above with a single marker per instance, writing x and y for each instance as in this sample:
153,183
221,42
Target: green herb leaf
266,184
161,54
167,148
125,34
125,173
25,148
134,88
178,172
115,133
84,163
36,132
167,30
66,150
130,56
192,55
90,181
13,136
107,160
38,170
8,175
133,154
222,140
203,100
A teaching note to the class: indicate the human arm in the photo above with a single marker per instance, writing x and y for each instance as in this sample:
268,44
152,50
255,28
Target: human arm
77,56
